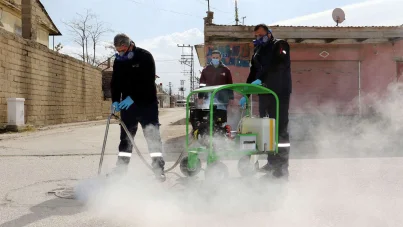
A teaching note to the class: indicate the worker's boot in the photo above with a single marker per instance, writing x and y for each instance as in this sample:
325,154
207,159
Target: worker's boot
158,164
277,167
280,165
122,166
266,168
281,173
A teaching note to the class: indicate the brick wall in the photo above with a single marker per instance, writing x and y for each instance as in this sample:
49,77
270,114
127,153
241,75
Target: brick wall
330,78
57,88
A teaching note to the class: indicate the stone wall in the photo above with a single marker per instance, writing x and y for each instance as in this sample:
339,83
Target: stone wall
57,88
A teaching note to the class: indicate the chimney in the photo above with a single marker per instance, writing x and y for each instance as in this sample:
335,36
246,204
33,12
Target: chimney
28,19
209,18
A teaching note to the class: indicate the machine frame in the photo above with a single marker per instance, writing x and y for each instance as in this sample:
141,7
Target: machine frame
191,164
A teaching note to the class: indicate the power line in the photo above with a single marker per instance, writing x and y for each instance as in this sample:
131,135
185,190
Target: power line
166,10
200,1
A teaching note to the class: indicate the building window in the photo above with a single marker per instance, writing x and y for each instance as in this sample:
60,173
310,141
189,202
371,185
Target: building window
17,30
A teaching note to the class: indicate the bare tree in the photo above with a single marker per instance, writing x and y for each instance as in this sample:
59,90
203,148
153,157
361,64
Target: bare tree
106,59
59,47
80,28
87,31
96,32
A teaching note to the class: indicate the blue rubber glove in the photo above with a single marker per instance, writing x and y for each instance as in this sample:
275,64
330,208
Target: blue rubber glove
125,104
115,105
242,102
257,82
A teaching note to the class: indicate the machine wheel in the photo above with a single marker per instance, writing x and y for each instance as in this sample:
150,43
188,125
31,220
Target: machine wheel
189,172
245,168
216,171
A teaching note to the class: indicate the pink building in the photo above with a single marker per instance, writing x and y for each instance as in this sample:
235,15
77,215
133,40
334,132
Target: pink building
332,67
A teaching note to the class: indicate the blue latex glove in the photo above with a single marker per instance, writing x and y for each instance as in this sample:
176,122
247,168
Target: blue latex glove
125,104
257,82
115,105
242,102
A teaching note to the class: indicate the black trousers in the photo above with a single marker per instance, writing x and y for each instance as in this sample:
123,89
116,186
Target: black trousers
147,116
267,107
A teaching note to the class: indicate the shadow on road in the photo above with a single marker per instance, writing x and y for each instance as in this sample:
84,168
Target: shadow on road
49,208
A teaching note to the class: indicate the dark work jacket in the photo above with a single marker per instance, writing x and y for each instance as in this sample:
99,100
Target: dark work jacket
135,78
272,65
212,76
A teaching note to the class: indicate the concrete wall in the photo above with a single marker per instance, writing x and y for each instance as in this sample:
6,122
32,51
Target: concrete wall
338,81
164,100
57,88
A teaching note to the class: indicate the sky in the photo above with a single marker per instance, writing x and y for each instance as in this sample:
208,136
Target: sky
160,25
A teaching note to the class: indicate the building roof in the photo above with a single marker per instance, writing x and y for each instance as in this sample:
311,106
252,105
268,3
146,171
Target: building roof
17,7
54,33
307,34
200,52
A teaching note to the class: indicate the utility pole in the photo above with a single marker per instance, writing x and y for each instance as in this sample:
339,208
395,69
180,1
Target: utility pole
189,61
182,89
243,20
170,94
236,12
170,89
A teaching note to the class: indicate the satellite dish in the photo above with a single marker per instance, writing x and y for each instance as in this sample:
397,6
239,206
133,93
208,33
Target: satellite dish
338,16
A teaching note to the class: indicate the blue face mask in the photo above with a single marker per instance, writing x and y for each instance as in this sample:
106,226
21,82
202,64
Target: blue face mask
124,56
215,62
260,40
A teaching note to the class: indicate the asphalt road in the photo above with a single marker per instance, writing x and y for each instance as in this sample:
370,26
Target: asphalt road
323,190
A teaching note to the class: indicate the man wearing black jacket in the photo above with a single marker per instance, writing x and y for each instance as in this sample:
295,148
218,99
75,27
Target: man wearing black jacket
270,67
134,94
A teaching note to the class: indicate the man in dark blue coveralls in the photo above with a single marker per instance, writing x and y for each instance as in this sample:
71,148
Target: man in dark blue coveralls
270,67
134,94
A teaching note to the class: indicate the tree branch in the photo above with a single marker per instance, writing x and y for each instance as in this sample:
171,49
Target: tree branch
87,30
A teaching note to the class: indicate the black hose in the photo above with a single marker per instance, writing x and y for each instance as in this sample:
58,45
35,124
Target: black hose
139,153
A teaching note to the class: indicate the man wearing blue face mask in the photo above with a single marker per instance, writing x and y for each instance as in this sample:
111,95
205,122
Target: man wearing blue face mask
270,67
134,94
216,73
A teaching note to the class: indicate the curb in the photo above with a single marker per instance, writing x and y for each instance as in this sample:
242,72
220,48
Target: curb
13,135
42,129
